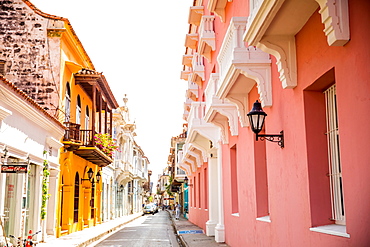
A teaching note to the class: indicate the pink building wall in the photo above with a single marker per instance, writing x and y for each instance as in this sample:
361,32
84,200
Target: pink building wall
296,200
290,185
198,211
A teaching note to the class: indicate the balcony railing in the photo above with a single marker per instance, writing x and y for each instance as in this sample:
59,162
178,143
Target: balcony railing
82,143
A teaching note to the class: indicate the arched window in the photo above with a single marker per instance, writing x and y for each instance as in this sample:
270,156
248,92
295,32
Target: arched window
92,202
67,103
78,110
76,198
87,118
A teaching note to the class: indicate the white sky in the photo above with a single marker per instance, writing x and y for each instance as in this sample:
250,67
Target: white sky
138,45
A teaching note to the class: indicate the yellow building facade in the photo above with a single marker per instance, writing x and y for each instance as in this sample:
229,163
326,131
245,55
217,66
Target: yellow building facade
86,103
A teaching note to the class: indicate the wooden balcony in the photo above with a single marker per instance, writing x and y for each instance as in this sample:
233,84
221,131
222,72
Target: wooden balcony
82,143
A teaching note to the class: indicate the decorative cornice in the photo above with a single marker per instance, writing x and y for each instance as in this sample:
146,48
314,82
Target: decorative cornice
195,15
279,38
198,69
191,40
218,7
283,48
207,37
4,113
334,16
216,107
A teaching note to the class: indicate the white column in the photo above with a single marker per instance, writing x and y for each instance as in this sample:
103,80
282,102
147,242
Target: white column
220,227
213,194
2,200
52,202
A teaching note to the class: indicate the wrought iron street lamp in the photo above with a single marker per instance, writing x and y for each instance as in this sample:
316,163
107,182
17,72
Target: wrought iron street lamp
257,119
90,174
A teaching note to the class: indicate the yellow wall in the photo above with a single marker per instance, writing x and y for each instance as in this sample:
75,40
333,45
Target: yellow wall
70,164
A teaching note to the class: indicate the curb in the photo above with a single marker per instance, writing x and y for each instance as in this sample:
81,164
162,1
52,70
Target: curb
179,237
97,239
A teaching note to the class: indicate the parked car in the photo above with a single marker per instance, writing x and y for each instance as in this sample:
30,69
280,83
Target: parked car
155,207
149,209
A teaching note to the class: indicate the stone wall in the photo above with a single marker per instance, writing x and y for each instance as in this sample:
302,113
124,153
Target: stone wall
32,59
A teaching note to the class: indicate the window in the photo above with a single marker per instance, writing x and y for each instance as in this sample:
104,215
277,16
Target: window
261,181
324,168
335,171
76,198
78,110
92,202
205,188
234,181
67,103
87,118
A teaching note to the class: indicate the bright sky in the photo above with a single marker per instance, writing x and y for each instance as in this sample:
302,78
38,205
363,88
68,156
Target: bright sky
138,45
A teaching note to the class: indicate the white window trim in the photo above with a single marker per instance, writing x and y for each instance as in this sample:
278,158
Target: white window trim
264,219
337,230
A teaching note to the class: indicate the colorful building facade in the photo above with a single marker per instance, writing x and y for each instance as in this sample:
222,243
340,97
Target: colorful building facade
306,63
42,55
29,139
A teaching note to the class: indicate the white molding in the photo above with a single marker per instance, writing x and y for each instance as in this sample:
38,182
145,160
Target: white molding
335,17
53,142
337,230
284,50
207,37
279,38
30,112
4,113
236,59
264,219
241,102
198,69
215,105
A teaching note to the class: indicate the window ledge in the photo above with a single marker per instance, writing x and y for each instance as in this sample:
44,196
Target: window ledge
235,214
264,219
337,230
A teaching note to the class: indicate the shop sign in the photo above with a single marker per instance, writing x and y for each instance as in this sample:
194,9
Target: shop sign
14,167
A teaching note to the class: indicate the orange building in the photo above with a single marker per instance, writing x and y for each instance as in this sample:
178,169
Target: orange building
43,56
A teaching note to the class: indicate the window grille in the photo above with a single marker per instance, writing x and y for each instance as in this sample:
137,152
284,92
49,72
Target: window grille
335,169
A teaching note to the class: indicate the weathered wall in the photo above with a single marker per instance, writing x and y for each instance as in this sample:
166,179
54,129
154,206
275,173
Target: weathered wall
27,52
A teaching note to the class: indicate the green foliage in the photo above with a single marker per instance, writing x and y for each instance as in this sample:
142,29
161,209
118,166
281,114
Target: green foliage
45,185
106,143
168,186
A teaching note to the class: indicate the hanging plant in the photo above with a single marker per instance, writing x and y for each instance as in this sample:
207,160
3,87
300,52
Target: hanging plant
45,186
168,187
105,143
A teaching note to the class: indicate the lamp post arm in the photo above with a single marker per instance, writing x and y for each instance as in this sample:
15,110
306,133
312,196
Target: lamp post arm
279,138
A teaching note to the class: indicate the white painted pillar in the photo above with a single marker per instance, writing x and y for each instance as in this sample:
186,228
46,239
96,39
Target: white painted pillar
52,202
220,227
213,194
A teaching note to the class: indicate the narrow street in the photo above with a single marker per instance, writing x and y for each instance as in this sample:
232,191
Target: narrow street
148,230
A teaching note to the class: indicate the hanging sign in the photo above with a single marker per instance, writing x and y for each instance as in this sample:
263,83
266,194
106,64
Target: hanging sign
14,167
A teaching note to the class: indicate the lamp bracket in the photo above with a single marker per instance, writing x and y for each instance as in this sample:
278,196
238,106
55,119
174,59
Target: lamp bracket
271,138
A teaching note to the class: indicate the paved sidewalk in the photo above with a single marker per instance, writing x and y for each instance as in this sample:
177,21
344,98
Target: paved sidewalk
188,236
88,236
